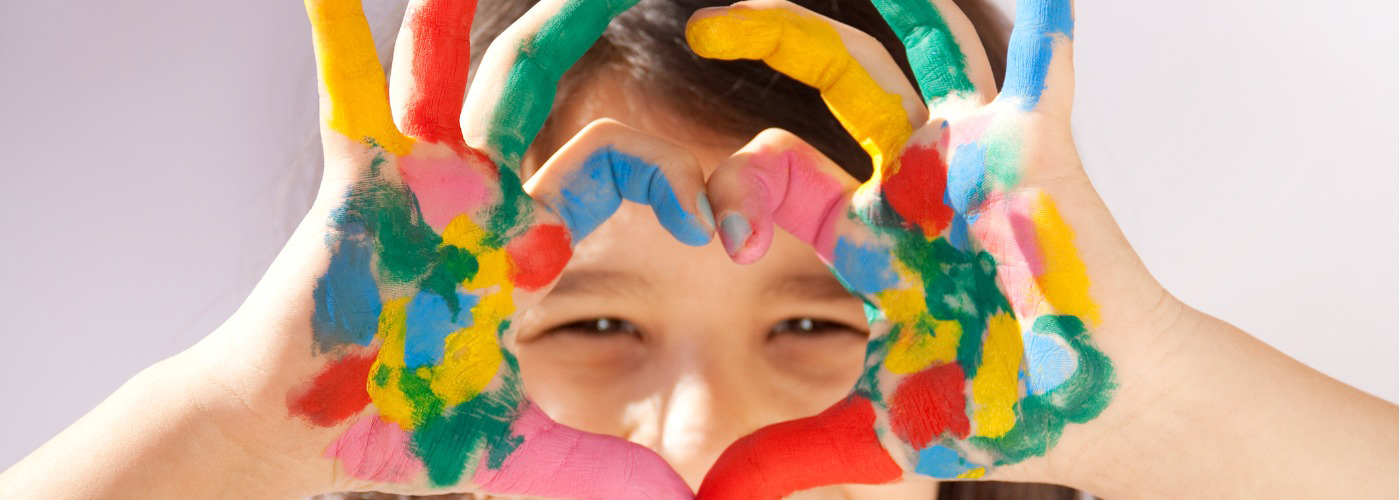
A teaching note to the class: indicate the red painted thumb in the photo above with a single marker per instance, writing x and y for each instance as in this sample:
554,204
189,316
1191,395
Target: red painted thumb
837,446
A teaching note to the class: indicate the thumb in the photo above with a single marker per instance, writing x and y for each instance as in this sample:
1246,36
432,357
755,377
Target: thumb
556,461
837,446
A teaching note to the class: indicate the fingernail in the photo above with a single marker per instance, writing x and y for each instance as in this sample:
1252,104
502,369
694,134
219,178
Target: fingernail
702,203
734,231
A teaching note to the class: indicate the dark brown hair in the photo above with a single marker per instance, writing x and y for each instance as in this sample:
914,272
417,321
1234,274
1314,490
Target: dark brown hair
647,45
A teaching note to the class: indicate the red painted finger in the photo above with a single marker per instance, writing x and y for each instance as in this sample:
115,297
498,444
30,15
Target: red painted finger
560,462
429,80
837,446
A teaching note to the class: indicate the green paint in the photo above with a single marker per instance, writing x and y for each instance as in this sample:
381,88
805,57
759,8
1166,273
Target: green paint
381,376
1042,418
1003,157
452,443
875,353
508,218
938,62
454,265
534,77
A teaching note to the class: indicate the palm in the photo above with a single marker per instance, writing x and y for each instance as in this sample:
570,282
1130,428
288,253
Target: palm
978,304
434,248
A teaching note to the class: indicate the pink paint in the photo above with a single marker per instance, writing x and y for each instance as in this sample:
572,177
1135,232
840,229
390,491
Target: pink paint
375,450
559,462
970,129
796,194
448,186
1005,230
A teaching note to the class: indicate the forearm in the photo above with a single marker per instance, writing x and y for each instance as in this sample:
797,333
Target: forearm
1227,416
149,439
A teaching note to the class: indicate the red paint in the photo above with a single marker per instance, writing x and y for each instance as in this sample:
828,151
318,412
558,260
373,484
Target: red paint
916,189
539,255
838,446
928,404
441,48
337,393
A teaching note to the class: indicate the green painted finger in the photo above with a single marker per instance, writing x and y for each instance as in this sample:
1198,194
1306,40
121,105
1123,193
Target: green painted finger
938,62
540,60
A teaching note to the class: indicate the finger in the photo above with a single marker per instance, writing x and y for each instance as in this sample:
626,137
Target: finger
943,49
860,82
1044,29
837,446
555,461
778,178
607,162
429,78
354,99
506,109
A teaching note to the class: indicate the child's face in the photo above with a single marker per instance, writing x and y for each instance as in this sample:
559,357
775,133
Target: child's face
676,347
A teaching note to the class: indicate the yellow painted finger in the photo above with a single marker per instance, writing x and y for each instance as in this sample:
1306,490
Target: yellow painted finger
810,49
355,97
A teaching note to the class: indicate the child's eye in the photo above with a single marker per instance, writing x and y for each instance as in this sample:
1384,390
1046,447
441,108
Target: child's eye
599,327
809,327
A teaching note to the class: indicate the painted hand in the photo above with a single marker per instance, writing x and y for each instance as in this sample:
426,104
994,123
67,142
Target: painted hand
435,245
978,301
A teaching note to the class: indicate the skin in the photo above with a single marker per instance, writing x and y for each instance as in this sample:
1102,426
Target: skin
1220,414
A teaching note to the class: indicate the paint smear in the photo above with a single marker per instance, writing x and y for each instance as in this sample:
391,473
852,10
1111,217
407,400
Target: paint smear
1065,281
995,388
915,190
337,393
375,450
427,324
539,255
865,269
347,296
449,186
929,404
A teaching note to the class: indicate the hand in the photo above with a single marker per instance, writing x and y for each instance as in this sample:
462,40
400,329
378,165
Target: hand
394,364
984,330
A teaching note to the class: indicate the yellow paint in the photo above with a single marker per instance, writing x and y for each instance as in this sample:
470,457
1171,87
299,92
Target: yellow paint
1064,281
995,388
390,400
973,473
808,49
917,350
352,77
472,355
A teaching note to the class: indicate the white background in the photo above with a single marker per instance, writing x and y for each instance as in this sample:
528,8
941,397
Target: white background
154,155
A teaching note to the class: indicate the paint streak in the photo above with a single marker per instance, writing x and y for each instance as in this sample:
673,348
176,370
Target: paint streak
539,255
1049,362
1032,46
429,320
347,297
454,441
929,404
932,342
938,62
608,176
809,50
352,76
337,393
441,32
1065,281
914,190
375,450
864,269
527,97
837,446
994,389
449,186
553,460
944,463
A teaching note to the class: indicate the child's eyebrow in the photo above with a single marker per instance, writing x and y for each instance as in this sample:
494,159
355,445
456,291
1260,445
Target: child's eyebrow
601,281
813,286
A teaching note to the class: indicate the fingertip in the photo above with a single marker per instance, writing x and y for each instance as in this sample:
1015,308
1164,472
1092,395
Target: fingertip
732,33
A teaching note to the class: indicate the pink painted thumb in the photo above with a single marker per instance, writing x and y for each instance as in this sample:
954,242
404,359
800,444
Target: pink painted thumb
560,462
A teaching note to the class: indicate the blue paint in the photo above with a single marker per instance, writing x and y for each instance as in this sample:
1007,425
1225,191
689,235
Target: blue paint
428,322
941,462
347,297
607,177
966,177
1049,362
1031,47
735,231
864,269
957,232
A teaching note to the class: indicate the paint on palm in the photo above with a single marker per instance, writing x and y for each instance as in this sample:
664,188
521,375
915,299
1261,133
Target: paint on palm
432,250
980,305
